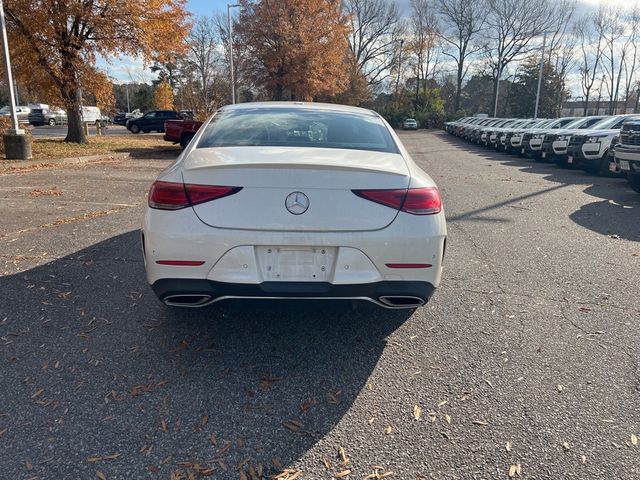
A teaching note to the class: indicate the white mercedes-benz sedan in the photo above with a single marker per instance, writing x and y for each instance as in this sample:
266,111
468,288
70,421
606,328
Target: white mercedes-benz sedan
294,201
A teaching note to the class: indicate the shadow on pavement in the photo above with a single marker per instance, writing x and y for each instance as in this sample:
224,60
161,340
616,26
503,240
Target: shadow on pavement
96,374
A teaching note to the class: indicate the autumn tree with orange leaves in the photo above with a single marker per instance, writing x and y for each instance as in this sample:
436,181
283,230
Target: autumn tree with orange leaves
299,47
55,45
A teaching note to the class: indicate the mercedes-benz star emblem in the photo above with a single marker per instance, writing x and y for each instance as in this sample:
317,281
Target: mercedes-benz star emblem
297,203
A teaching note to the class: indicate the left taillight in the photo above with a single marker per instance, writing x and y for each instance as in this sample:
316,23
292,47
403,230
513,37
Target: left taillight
175,195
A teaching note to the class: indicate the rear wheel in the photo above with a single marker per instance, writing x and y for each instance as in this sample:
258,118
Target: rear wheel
634,181
146,131
52,121
184,141
134,129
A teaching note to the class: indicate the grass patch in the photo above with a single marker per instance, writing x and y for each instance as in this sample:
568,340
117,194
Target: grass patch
146,146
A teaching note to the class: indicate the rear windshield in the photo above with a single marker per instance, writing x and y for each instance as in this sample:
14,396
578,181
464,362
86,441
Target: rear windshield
296,127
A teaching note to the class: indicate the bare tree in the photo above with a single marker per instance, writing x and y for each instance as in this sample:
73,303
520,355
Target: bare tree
204,57
512,27
631,60
590,54
462,21
561,46
424,42
376,29
609,26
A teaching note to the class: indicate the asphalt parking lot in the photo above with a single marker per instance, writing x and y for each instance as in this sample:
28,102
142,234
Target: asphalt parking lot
524,363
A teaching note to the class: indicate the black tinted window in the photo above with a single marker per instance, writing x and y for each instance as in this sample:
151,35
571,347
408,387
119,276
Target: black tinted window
297,127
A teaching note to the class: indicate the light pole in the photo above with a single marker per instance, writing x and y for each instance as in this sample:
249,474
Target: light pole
544,45
7,65
233,79
17,145
495,105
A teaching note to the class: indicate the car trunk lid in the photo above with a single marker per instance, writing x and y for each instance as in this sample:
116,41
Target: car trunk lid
321,179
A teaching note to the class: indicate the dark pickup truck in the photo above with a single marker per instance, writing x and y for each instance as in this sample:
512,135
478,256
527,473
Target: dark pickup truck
180,131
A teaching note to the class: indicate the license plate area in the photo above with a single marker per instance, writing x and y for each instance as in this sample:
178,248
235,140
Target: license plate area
624,165
296,264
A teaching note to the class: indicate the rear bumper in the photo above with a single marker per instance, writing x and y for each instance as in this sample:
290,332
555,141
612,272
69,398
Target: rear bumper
201,292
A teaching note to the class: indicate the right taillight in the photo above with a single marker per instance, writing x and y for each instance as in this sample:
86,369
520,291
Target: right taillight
416,201
175,195
423,201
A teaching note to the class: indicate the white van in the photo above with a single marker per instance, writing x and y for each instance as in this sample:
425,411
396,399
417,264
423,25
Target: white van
91,114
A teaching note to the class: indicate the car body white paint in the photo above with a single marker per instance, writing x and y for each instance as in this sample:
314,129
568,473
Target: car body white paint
234,235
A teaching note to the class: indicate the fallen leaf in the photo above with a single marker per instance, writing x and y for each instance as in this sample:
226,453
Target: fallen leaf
343,456
416,412
508,446
634,439
566,446
388,430
479,422
443,403
101,475
583,459
326,462
293,425
106,457
512,471
448,419
343,473
560,388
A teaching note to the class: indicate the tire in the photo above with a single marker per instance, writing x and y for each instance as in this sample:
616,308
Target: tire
634,181
52,122
601,167
562,162
184,141
146,131
134,128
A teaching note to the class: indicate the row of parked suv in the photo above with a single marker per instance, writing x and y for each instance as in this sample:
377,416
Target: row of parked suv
600,145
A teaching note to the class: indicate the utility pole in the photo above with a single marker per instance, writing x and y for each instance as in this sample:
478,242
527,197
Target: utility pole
495,106
233,79
126,88
544,45
17,145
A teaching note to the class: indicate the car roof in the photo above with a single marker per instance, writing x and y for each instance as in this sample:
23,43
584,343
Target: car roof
301,105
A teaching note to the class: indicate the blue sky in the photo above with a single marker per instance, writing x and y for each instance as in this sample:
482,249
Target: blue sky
207,7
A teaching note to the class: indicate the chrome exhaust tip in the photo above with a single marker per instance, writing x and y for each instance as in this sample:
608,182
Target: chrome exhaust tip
401,301
187,300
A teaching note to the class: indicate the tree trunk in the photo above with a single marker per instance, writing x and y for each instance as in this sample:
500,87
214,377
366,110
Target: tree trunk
75,132
458,87
586,103
279,93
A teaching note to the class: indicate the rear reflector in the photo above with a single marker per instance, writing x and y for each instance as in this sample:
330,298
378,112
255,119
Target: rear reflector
181,263
408,265
175,195
417,201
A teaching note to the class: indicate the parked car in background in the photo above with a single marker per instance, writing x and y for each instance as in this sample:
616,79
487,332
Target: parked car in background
410,124
22,113
532,140
43,115
151,121
554,144
180,131
590,149
627,151
91,114
121,118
